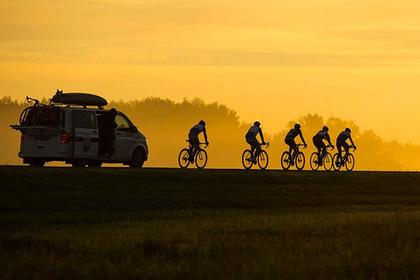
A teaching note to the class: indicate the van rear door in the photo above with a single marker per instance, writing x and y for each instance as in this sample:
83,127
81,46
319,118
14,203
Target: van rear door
86,137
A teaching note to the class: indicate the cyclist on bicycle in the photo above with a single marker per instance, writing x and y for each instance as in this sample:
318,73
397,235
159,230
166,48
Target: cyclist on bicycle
290,140
319,143
341,142
251,139
193,138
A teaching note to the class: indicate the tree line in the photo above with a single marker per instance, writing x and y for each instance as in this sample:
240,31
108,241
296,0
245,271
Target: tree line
166,123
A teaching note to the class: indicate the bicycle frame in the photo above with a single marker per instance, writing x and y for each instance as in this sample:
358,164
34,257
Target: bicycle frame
346,154
296,150
191,146
266,146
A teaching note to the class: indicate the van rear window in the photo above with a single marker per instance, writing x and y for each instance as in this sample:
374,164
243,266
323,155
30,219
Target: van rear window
84,119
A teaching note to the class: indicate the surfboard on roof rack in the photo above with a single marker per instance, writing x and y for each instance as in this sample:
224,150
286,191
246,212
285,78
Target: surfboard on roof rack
77,98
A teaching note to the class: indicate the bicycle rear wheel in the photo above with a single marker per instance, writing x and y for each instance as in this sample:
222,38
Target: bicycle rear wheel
314,161
263,160
328,162
300,161
336,162
247,159
201,159
184,158
285,160
350,162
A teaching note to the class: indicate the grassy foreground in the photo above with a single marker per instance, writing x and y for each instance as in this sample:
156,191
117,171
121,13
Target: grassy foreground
118,223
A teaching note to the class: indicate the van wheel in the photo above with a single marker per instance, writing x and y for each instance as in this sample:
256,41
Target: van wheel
94,163
78,163
36,162
137,159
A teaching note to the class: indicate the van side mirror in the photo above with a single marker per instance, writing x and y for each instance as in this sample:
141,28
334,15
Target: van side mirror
134,129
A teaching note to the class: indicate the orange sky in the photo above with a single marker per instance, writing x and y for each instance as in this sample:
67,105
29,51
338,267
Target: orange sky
269,60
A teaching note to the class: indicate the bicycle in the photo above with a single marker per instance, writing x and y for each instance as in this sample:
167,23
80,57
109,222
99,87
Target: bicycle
262,158
39,114
347,160
200,156
326,160
298,159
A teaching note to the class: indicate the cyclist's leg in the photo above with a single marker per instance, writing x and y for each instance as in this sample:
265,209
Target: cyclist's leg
251,144
346,149
294,147
256,145
289,141
339,151
317,145
194,145
323,151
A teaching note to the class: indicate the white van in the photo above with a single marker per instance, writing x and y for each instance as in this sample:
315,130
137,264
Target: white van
75,128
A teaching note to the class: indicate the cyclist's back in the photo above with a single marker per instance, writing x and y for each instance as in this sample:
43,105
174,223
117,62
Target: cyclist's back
195,131
343,136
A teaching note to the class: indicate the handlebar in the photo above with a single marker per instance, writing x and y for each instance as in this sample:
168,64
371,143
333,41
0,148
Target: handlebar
199,143
29,99
352,147
266,144
300,145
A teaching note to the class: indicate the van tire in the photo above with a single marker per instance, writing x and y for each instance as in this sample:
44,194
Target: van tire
78,163
94,163
36,162
137,159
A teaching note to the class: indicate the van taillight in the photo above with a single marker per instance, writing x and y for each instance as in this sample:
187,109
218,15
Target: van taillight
22,139
64,138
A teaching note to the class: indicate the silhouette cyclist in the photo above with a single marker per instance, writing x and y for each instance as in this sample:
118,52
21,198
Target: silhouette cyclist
193,138
341,142
251,139
290,140
319,143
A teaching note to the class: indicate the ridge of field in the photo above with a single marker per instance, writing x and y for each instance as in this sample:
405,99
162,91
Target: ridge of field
109,223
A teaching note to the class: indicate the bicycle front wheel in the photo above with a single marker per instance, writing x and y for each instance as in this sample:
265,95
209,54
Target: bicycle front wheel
263,160
314,161
201,159
328,162
300,161
24,116
184,158
285,160
350,162
336,162
247,159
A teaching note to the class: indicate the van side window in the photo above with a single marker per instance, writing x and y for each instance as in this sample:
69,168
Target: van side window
84,119
122,123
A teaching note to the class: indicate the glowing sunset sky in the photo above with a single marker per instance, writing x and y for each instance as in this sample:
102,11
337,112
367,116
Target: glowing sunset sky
269,60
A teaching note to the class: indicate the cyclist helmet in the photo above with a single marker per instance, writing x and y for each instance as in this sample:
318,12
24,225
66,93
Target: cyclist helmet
202,122
257,123
297,126
348,130
325,128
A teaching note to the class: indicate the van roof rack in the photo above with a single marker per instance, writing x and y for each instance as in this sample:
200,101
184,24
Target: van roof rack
77,98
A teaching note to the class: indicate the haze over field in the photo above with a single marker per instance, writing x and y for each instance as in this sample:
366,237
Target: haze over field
166,124
272,61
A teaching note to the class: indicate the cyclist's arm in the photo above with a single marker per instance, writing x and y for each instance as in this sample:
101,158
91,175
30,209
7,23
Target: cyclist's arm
261,135
301,137
351,140
327,136
205,135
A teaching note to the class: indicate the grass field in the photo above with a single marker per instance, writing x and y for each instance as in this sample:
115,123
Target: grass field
119,223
